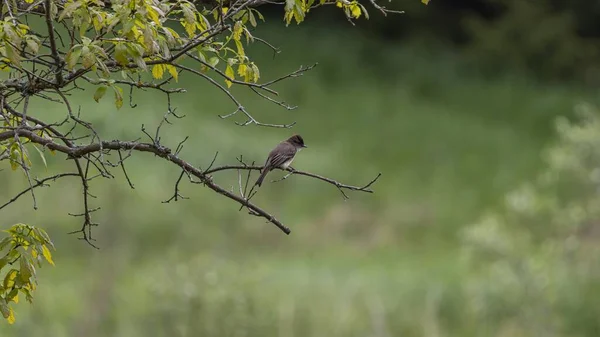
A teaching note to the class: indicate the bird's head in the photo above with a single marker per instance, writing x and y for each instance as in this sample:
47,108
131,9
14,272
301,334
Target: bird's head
297,141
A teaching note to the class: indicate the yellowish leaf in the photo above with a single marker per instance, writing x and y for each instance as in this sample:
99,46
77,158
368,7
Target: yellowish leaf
355,10
190,28
173,71
47,254
153,15
158,71
118,96
229,73
255,72
242,69
11,316
97,22
202,23
238,29
9,280
240,48
288,17
425,1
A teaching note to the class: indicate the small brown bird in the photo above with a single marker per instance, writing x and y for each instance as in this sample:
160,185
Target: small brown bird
281,156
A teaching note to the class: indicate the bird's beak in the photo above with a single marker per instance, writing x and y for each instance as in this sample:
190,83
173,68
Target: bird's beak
304,146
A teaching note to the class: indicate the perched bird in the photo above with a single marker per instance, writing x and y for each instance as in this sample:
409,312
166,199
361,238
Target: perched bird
281,156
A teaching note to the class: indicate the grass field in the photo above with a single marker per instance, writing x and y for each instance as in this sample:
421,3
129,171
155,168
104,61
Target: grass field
448,143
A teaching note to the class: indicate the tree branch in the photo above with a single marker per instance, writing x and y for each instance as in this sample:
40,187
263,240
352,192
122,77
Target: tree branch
160,151
53,48
340,186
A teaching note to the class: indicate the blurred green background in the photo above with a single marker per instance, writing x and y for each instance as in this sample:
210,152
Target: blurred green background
483,223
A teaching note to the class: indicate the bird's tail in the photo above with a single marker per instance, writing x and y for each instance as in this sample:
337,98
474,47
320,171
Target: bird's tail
262,176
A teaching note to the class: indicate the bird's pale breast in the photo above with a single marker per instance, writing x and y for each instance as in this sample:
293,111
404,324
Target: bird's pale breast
287,163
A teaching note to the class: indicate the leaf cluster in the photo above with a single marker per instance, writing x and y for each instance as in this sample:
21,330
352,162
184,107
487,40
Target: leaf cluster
25,247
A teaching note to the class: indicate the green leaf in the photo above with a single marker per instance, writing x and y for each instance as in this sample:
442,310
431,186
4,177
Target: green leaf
13,55
425,1
87,57
169,36
84,27
33,45
121,54
4,308
14,159
4,243
27,293
118,96
4,261
45,239
128,25
188,14
364,10
41,156
100,93
149,40
27,269
260,16
213,61
136,51
7,311
251,18
69,9
72,57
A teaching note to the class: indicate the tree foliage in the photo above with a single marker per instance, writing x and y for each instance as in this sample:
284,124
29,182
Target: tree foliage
23,248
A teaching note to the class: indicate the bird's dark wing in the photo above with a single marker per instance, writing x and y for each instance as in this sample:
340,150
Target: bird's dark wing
281,154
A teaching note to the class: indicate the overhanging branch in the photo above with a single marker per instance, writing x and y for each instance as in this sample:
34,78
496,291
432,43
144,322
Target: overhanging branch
166,153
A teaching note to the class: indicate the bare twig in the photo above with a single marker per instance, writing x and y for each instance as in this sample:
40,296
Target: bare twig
122,162
176,195
38,183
